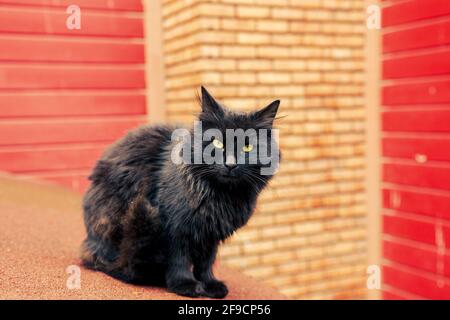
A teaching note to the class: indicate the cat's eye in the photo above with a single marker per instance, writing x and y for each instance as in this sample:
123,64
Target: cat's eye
247,148
218,144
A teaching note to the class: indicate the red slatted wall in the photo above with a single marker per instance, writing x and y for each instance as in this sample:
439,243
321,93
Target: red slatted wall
416,149
66,94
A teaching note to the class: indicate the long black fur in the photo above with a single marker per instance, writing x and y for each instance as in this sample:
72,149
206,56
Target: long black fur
151,221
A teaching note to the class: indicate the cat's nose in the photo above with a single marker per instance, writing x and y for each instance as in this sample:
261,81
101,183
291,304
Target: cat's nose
230,162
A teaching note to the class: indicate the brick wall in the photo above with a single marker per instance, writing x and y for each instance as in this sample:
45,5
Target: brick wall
308,237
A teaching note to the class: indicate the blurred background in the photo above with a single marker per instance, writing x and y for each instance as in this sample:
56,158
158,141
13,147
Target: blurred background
365,177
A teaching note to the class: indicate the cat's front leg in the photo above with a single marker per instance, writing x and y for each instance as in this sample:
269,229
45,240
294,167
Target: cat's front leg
179,277
203,271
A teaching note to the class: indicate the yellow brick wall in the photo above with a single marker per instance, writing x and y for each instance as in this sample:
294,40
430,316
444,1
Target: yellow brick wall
308,236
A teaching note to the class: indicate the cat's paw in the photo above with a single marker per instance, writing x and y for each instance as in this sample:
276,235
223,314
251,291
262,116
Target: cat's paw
188,288
215,289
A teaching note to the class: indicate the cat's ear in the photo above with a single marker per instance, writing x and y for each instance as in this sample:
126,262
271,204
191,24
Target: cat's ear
266,115
210,105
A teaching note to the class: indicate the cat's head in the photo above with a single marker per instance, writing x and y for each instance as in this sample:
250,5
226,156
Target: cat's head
236,146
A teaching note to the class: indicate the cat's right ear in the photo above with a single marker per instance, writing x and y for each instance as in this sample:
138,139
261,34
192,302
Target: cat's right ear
210,105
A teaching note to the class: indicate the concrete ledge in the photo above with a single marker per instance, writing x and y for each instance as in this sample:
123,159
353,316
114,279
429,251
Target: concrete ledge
41,229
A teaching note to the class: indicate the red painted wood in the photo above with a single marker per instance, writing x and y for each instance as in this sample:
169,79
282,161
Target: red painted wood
54,22
424,285
436,206
410,256
410,148
409,229
417,121
71,78
419,199
51,105
64,98
45,132
417,175
414,10
436,34
64,158
417,93
417,66
70,51
78,183
428,260
128,5
386,295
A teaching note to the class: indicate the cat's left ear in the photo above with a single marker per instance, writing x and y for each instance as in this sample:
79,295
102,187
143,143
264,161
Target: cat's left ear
210,105
268,114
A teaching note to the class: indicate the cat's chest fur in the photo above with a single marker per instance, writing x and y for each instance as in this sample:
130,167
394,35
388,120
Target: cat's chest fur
222,214
211,215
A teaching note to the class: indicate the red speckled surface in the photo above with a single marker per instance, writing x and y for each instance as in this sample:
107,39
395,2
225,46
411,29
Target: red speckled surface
41,228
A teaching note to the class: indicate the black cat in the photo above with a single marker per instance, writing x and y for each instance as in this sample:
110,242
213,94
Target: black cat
151,220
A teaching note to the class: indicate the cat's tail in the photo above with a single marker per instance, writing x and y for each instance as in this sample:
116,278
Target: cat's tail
87,256
92,255
92,259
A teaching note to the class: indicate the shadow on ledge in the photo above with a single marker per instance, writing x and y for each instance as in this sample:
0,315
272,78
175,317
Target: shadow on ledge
41,229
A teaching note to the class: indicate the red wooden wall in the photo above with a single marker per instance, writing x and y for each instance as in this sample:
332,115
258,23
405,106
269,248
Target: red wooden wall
66,94
416,149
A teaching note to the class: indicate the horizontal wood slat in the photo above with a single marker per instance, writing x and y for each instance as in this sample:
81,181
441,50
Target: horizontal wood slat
22,77
416,93
417,121
60,159
421,285
431,205
422,203
419,149
95,130
54,22
77,182
417,66
128,5
411,256
417,175
437,34
16,50
386,295
53,105
410,229
414,10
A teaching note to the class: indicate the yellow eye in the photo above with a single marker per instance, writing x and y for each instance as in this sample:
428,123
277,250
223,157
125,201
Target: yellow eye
247,148
218,144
